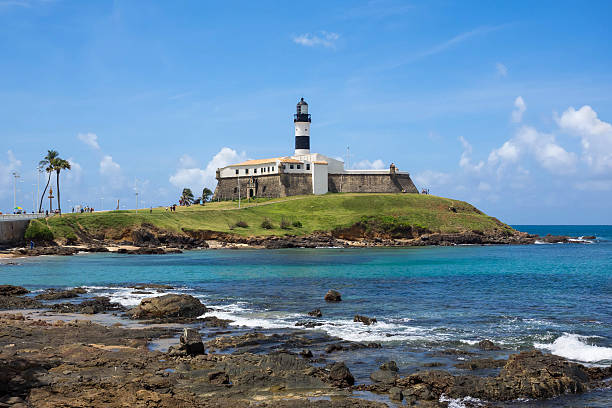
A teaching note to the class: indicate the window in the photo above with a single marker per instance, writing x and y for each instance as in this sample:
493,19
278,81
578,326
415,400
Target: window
237,171
235,190
308,167
246,171
272,168
291,166
254,170
284,166
299,166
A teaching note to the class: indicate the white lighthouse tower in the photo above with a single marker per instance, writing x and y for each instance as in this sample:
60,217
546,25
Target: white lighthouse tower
301,120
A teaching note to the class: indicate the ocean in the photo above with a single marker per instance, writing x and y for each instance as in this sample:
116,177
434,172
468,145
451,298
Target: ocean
427,300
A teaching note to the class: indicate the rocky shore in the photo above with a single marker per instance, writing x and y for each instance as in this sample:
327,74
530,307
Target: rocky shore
60,357
149,240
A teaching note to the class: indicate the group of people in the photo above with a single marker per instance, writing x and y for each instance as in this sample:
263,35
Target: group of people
172,208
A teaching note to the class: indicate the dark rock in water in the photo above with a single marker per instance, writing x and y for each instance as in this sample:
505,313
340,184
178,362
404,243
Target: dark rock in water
168,306
214,321
364,319
97,249
92,306
191,342
480,364
333,296
54,294
433,364
308,324
142,286
10,290
315,313
395,394
18,302
141,292
386,374
218,378
589,237
487,345
340,375
389,365
333,347
306,353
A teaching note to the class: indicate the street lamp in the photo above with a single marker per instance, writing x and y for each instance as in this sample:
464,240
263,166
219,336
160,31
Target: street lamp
15,177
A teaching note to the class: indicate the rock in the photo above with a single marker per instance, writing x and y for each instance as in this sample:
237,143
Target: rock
218,378
340,375
10,290
143,286
479,364
487,345
333,296
384,376
364,319
191,342
214,321
589,237
18,302
306,353
98,304
315,313
395,394
168,306
389,365
54,294
308,324
333,347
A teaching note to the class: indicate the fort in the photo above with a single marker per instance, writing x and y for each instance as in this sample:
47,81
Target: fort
305,173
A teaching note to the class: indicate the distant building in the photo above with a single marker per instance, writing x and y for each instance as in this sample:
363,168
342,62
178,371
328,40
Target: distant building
305,172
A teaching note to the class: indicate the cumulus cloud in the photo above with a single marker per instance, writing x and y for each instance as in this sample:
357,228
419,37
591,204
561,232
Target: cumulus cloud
369,165
430,178
90,139
465,162
189,174
502,70
323,38
8,166
595,134
108,167
520,108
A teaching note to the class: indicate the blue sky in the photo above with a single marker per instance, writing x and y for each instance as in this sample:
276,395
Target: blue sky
506,105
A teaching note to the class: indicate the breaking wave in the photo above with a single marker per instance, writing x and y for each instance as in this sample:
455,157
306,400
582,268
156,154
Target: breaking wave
575,347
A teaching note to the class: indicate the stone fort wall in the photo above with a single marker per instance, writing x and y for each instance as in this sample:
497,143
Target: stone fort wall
287,184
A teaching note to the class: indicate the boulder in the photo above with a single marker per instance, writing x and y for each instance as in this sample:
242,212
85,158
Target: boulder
487,345
364,319
308,324
386,374
92,306
168,306
218,378
191,342
10,290
315,313
340,375
54,294
333,296
389,365
395,394
306,353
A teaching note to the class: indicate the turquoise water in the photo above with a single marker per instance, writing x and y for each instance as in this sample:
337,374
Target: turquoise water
554,297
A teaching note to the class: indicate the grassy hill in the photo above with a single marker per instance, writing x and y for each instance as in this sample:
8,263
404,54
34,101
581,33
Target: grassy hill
314,213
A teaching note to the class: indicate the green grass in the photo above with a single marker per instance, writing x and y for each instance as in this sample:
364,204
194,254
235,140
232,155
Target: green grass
315,213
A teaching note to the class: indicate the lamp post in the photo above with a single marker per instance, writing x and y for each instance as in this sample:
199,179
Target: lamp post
39,171
15,177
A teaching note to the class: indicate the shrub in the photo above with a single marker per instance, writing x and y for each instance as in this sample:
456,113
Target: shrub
242,224
267,224
285,224
38,232
297,224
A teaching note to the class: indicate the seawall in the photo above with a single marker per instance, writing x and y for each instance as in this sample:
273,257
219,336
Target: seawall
12,231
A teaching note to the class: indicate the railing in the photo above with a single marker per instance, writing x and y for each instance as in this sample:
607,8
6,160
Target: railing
301,117
15,217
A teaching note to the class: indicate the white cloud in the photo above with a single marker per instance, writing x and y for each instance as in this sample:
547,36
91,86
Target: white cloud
76,170
465,162
8,166
517,114
502,70
541,146
108,167
323,38
369,165
190,175
90,139
429,178
595,134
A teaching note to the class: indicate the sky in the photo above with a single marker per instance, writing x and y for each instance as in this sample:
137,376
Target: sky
506,105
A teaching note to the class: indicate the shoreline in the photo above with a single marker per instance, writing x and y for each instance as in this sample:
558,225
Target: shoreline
106,358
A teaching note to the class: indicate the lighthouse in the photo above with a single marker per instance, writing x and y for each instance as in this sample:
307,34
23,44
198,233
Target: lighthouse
301,120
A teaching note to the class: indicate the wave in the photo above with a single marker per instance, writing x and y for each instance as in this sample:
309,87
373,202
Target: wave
382,331
465,402
574,347
126,296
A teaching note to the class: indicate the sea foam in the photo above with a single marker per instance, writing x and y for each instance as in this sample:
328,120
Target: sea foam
575,347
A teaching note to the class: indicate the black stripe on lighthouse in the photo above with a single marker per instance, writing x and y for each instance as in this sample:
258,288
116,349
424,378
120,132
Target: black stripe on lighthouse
302,142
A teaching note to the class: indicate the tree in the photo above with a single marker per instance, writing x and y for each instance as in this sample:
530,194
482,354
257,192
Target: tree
59,164
206,193
47,164
186,197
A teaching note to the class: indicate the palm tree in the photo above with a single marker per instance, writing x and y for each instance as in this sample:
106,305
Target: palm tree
206,193
59,164
47,164
187,197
